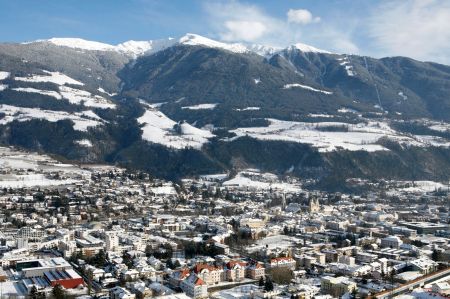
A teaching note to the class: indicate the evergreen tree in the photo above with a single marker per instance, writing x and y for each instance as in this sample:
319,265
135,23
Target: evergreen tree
58,292
268,285
261,281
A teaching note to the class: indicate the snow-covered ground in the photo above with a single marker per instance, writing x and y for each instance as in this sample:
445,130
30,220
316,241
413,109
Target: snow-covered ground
27,169
353,137
201,107
423,186
84,142
73,95
82,120
77,96
248,109
166,189
4,75
402,95
254,179
294,85
158,128
345,62
50,93
30,180
53,77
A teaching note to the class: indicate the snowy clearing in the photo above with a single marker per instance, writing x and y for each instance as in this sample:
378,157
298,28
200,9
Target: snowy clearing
402,95
4,75
201,107
248,109
3,87
31,180
345,62
78,97
53,77
424,186
50,93
253,179
82,120
158,128
352,137
293,85
84,142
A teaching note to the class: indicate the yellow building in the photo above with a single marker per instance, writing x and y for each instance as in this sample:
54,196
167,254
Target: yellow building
337,286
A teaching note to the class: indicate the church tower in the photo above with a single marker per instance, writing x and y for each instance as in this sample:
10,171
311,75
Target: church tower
314,205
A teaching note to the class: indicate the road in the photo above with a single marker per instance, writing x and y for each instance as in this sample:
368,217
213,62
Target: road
414,284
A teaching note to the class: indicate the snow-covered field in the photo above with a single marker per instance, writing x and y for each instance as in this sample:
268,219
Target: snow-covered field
30,180
4,75
53,77
345,62
158,128
27,169
201,107
298,85
166,189
248,109
254,179
353,137
50,93
77,96
82,120
73,95
424,186
84,142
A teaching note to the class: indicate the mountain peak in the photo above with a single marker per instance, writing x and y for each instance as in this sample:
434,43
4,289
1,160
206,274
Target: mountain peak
79,43
198,40
307,48
136,48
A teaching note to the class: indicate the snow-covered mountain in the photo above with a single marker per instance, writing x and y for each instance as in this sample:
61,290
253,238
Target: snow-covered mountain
137,48
202,106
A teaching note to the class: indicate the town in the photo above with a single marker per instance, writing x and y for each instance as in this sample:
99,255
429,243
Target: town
100,231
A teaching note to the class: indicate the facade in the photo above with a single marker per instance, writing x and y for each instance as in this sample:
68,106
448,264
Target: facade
391,242
337,286
194,287
285,262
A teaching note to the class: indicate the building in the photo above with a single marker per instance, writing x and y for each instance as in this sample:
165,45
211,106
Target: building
235,271
255,271
120,293
314,205
337,286
391,242
194,287
111,241
35,268
285,262
210,274
425,227
423,265
69,279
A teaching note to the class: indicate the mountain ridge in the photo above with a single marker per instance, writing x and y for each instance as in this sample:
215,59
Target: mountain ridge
192,108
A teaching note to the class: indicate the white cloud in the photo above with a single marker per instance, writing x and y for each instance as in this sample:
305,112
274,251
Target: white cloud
415,28
301,16
237,22
243,30
233,21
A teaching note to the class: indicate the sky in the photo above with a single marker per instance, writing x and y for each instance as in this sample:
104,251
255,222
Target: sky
415,28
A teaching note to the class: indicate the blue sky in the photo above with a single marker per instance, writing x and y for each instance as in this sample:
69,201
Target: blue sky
415,28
